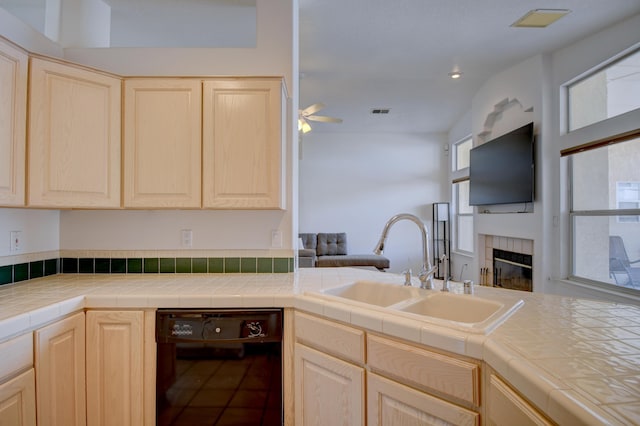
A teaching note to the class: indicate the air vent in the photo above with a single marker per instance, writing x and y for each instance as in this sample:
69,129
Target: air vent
540,18
380,110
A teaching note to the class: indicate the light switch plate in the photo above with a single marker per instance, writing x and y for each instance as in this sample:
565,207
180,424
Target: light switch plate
16,241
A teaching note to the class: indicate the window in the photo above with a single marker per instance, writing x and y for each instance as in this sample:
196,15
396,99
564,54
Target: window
462,211
605,206
462,152
628,197
607,93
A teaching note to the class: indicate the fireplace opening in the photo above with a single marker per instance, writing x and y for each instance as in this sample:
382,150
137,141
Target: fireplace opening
512,270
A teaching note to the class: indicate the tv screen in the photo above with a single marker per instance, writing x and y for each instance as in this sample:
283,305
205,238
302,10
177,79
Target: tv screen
501,171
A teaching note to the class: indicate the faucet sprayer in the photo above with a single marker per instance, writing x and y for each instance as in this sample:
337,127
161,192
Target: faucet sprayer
426,274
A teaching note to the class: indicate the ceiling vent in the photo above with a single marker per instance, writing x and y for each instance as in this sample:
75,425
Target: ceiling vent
380,110
540,18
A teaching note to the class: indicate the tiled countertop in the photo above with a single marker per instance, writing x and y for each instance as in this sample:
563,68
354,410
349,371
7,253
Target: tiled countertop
575,359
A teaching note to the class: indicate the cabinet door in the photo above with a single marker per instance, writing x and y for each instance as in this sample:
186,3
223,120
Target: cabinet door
162,143
74,137
506,407
328,391
60,372
13,119
243,144
390,403
118,388
18,401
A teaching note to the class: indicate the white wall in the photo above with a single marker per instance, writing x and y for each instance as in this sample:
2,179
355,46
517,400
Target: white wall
160,230
275,54
354,182
522,83
23,35
40,230
537,82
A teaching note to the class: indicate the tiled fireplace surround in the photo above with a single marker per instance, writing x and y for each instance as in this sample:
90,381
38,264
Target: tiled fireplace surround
517,245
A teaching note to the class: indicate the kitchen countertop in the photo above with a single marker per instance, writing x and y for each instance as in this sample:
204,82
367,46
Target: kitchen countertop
575,359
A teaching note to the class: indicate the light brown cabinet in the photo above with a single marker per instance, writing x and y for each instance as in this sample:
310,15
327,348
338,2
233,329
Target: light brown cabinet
243,148
74,137
18,401
391,403
60,372
328,373
434,372
406,383
17,383
162,143
214,144
13,118
505,407
323,381
188,143
120,368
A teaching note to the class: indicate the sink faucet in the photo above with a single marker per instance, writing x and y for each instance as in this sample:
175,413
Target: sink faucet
445,274
428,270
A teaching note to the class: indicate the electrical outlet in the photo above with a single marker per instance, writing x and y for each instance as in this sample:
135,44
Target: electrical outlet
16,241
276,239
186,238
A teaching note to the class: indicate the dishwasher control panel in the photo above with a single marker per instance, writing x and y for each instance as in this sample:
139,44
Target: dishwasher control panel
214,325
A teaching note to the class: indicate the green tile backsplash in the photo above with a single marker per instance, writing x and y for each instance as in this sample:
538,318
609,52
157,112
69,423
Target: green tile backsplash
151,265
25,271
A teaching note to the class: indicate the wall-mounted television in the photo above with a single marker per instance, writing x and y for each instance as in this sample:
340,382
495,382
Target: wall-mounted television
501,171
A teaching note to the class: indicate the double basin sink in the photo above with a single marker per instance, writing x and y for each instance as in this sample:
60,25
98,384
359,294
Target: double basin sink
468,312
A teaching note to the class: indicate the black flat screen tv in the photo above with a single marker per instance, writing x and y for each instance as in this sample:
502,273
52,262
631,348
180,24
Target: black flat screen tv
501,171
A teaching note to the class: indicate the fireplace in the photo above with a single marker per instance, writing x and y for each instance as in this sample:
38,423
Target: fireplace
512,270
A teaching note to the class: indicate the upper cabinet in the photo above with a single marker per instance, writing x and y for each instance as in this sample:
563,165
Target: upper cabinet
13,118
174,143
162,143
243,144
74,137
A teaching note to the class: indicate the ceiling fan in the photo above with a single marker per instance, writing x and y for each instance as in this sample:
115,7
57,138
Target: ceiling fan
308,114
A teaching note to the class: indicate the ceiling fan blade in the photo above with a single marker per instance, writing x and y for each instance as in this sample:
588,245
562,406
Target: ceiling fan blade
324,119
312,108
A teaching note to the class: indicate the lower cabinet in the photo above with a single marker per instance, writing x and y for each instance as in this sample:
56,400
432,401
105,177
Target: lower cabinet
60,372
391,403
406,384
329,391
17,382
18,400
120,368
505,407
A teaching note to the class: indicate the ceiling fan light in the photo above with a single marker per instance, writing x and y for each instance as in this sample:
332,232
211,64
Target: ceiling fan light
303,126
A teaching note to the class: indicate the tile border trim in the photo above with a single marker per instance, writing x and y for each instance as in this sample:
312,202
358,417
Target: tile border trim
23,271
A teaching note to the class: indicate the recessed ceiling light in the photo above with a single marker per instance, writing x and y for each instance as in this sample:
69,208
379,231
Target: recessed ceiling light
540,18
455,74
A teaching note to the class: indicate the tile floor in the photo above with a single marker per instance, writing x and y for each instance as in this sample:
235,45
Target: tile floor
225,388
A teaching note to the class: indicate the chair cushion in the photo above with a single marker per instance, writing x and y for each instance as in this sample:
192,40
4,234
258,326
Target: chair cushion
310,240
331,244
307,253
377,261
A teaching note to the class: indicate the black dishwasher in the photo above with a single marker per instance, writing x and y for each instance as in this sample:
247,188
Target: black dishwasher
219,367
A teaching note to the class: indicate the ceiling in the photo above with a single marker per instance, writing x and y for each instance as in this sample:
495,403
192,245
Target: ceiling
358,55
